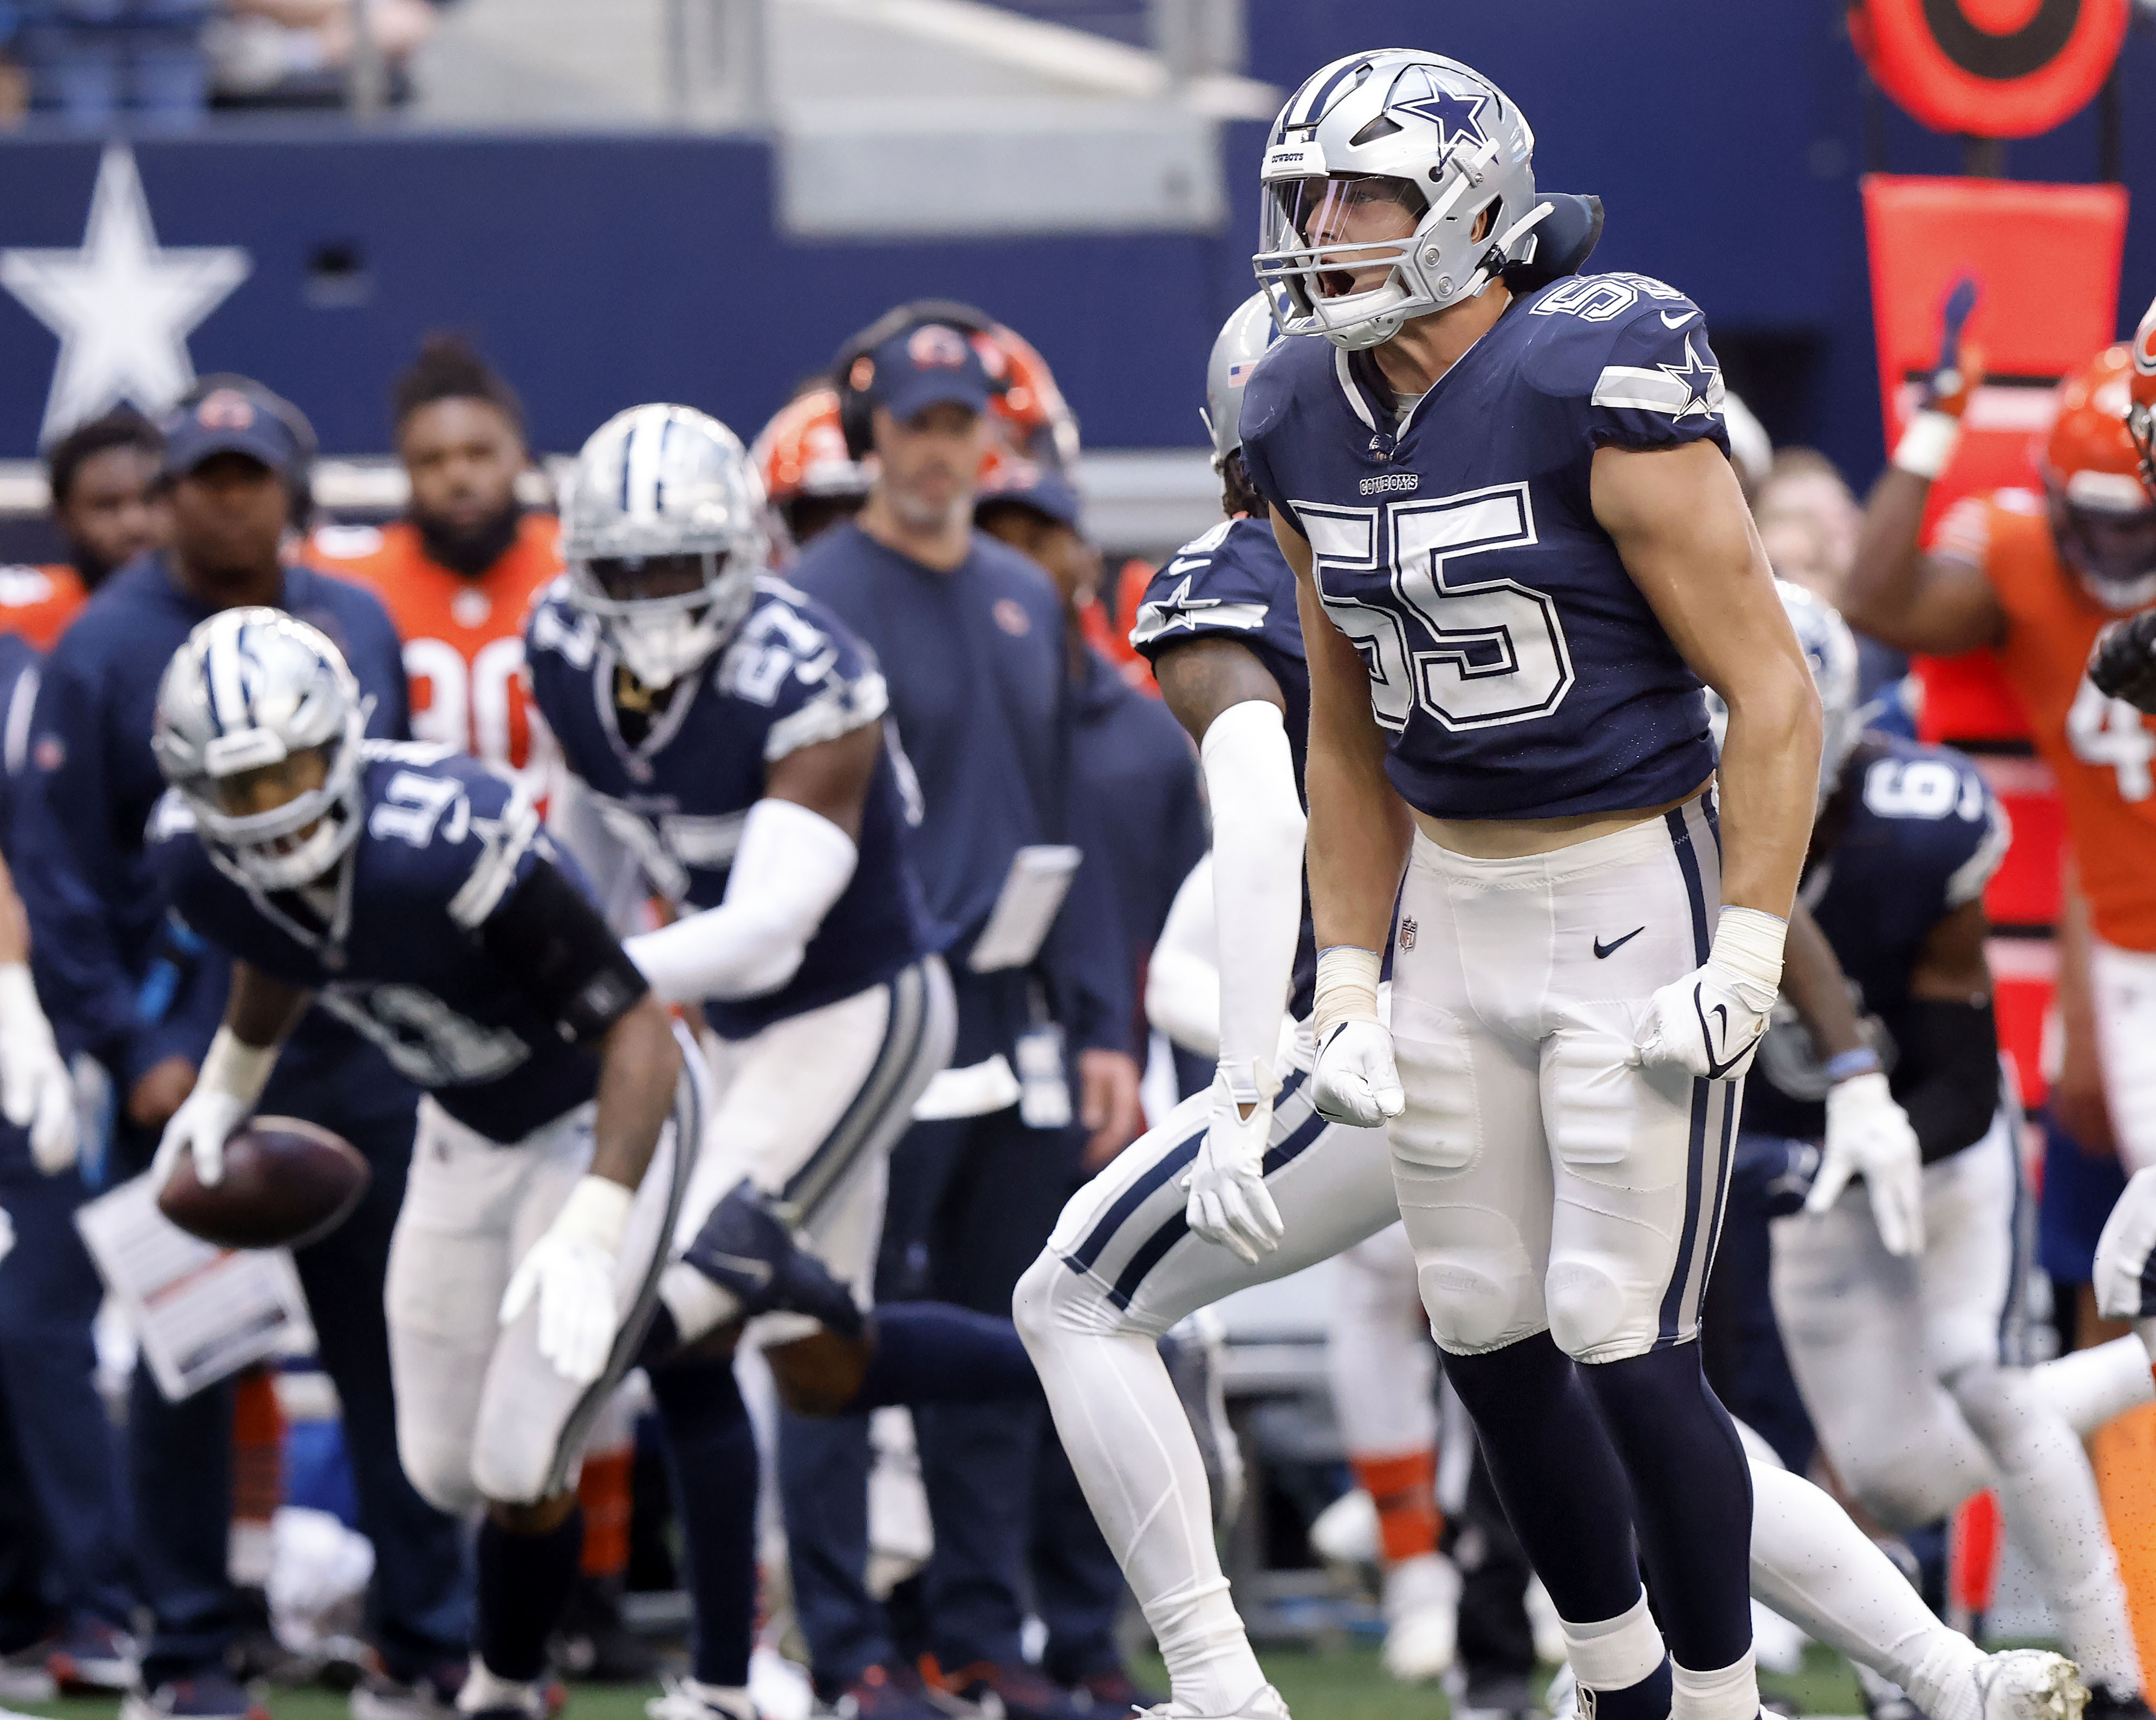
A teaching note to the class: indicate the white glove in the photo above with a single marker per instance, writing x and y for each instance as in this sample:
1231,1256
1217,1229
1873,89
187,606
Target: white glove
1229,1204
1867,1132
36,1091
1354,1081
1709,1022
233,1074
570,1271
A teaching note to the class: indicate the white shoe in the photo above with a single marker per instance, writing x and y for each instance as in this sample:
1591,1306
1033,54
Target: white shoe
1422,1618
1263,1703
686,1699
1346,1531
1547,1628
2029,1684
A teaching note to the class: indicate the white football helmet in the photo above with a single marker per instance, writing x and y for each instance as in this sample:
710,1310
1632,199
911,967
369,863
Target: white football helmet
1236,350
660,485
250,689
1830,650
1377,175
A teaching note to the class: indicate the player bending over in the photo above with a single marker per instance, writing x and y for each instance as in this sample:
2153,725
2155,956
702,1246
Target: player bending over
1211,1201
411,893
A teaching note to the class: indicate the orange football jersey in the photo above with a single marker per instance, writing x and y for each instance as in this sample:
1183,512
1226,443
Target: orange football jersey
37,603
2102,751
463,639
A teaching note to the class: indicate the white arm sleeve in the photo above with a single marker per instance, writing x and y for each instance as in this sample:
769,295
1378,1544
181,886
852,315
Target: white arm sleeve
1257,878
573,820
791,866
1182,977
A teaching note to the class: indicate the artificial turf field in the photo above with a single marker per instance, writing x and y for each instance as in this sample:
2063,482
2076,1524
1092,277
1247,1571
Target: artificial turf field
1340,1684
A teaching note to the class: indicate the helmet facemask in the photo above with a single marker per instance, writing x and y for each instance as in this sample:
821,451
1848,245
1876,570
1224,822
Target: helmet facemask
2104,524
666,614
282,815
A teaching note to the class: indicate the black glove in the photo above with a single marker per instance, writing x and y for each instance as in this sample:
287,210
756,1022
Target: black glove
2123,663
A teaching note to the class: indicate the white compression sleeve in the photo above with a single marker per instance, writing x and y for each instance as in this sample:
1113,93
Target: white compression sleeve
1257,877
1183,979
791,866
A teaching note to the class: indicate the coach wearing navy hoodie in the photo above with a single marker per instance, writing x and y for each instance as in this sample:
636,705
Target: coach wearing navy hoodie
970,637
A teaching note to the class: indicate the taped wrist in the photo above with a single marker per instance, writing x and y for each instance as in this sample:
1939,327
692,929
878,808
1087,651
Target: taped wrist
596,1212
1949,1072
1347,989
234,1067
1748,953
1927,444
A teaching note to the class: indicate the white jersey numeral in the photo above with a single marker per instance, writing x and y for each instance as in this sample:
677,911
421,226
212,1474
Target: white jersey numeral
1481,653
1915,789
468,704
430,1043
2109,731
412,805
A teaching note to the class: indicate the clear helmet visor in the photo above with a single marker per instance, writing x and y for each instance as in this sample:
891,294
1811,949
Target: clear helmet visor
1336,244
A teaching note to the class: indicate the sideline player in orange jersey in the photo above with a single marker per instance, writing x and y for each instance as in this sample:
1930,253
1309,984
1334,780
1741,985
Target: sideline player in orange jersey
2035,575
457,571
108,504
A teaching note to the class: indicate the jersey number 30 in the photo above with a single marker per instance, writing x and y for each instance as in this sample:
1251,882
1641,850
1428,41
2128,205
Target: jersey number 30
1472,653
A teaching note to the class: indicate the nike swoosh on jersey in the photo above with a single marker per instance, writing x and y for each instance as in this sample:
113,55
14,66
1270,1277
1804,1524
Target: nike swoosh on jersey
1603,951
1683,317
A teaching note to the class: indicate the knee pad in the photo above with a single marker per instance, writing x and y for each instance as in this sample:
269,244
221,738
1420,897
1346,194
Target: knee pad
1587,1307
1478,1302
440,1474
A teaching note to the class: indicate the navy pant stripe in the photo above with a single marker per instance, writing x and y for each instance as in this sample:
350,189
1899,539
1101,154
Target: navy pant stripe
1702,1091
1174,1228
905,1026
1688,863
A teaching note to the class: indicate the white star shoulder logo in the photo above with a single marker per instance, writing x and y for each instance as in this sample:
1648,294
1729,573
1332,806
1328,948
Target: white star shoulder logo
123,306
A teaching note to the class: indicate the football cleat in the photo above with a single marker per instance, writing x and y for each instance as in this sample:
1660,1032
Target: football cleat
1422,1618
689,1699
2030,1684
1263,1703
748,1251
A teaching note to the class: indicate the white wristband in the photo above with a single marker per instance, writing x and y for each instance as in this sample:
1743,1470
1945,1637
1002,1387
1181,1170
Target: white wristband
1928,443
1346,987
233,1066
1748,946
18,997
597,1211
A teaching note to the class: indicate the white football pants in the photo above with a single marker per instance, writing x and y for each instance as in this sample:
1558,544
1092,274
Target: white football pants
1377,1351
1900,1365
1547,1183
808,1110
2122,984
480,1414
1120,1268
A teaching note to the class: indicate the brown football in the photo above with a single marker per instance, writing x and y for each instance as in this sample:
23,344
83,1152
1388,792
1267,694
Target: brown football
286,1183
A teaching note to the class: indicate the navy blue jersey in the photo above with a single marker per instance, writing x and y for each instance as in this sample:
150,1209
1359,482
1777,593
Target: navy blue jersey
1516,669
1233,584
444,842
97,915
1136,768
976,663
18,695
793,676
1923,835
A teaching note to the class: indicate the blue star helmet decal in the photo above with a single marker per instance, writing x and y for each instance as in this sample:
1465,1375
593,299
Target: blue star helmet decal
1456,116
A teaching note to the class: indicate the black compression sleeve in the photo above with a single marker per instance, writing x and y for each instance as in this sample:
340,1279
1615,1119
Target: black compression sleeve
563,954
1950,1063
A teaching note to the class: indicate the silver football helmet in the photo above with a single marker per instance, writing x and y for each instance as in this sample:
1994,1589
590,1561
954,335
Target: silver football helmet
249,694
1830,650
1236,350
663,528
1379,176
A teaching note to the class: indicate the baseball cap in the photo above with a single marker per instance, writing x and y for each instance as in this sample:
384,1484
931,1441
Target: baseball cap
1026,483
235,415
927,365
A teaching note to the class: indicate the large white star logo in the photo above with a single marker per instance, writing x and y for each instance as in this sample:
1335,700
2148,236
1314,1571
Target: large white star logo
122,306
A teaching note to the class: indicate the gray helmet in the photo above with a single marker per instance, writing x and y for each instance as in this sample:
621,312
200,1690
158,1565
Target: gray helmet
1830,651
250,688
1236,350
1384,163
663,481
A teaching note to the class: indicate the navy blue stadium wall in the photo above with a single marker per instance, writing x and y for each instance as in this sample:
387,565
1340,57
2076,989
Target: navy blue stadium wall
603,270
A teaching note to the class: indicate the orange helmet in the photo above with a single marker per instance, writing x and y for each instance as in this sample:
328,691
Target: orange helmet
802,452
2102,515
1030,413
2141,415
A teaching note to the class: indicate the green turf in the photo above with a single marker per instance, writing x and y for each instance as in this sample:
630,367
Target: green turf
1341,1684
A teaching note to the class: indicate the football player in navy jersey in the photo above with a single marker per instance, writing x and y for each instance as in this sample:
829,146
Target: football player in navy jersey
1905,1364
1213,1201
1520,547
411,892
